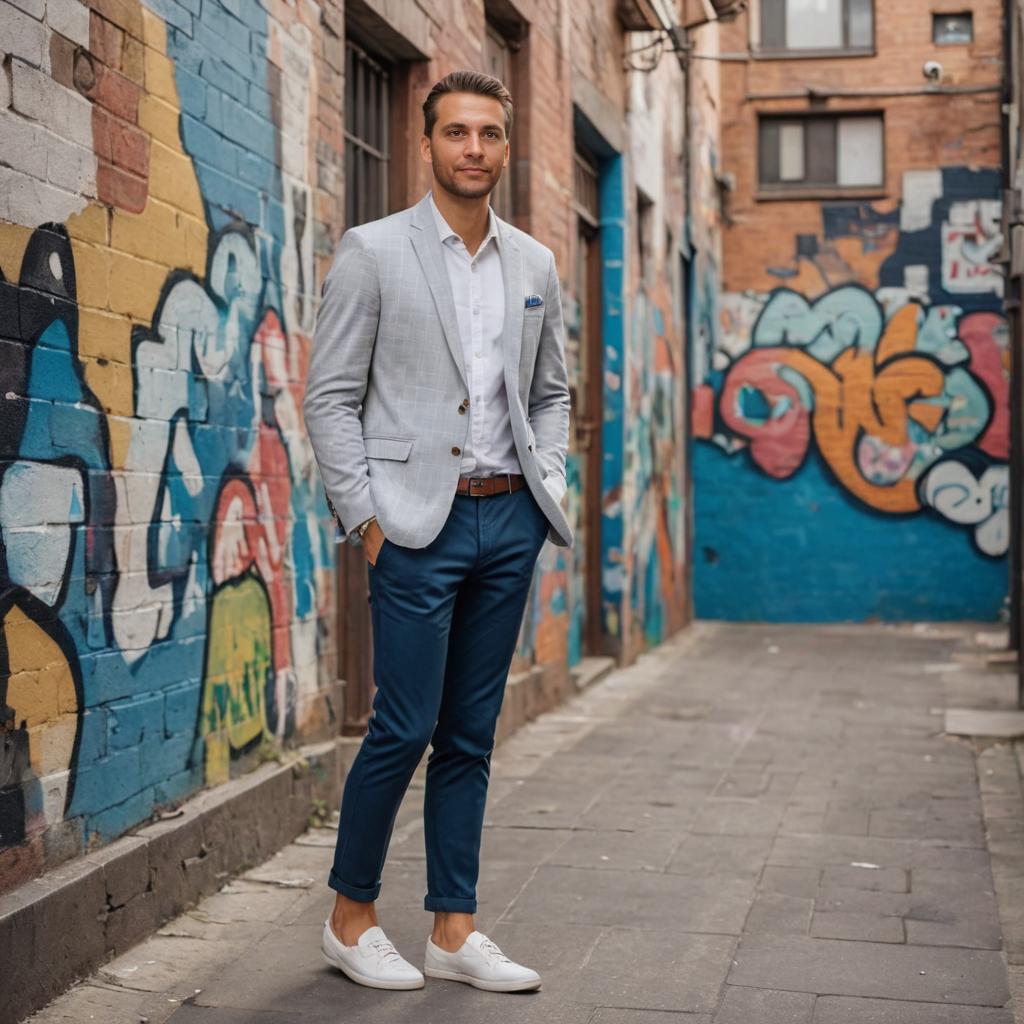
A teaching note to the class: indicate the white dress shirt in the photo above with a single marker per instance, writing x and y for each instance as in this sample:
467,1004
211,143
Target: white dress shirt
478,288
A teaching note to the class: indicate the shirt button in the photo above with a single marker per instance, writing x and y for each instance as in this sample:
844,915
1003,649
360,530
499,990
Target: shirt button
477,354
462,410
456,450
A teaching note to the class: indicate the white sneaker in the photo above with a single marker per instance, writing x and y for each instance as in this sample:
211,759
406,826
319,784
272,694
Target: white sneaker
372,961
481,963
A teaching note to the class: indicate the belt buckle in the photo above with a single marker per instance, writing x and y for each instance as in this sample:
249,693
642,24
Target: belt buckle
476,485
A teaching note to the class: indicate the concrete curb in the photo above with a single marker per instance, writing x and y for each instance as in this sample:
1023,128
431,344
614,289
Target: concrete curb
60,927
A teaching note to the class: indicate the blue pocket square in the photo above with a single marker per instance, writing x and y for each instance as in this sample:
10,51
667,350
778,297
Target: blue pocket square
533,300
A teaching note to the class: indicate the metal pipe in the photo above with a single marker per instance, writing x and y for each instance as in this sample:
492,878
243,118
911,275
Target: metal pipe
823,92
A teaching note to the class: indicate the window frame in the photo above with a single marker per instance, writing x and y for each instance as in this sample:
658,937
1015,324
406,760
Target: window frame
818,190
936,15
761,52
355,144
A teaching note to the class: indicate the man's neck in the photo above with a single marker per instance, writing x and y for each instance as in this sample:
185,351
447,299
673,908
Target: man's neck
468,218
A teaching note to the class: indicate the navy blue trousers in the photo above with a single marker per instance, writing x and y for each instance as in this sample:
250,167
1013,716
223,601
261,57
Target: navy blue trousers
445,623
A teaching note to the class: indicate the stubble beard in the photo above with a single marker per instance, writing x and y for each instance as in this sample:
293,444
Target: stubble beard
448,180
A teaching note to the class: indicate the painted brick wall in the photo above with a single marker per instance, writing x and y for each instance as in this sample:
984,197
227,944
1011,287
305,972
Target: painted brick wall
171,197
166,574
851,403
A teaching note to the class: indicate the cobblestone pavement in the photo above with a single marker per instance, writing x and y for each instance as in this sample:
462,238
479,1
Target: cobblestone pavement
751,825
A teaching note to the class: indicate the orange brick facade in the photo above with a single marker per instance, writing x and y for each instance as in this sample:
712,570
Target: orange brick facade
852,409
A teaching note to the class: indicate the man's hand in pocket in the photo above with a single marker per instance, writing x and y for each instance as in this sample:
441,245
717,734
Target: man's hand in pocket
373,540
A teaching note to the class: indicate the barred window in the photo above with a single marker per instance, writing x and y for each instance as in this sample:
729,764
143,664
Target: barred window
367,159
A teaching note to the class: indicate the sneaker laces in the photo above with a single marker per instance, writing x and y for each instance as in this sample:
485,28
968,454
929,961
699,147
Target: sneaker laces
491,949
385,949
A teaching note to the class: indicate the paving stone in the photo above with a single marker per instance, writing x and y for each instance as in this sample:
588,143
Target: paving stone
720,856
777,914
665,812
879,879
764,1006
822,851
843,1010
737,818
826,924
656,969
790,881
518,845
539,803
623,898
617,1015
836,967
618,851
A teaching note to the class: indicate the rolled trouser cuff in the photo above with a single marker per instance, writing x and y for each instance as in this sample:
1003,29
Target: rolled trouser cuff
450,904
353,892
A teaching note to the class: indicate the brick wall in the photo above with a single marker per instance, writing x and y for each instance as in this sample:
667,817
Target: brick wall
824,489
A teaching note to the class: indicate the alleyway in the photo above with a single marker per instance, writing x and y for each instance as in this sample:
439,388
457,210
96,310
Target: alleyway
752,825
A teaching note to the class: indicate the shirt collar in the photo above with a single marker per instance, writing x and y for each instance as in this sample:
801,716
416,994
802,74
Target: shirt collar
446,232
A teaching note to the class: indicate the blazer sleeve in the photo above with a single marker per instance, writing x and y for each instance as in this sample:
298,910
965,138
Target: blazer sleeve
343,338
549,389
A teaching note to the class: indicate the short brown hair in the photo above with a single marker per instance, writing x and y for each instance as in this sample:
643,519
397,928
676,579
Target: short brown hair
467,81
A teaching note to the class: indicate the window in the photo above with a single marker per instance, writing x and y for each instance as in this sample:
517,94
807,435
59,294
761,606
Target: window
367,160
948,29
817,25
831,152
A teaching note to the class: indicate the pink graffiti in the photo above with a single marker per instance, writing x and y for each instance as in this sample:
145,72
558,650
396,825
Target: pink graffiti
779,444
984,334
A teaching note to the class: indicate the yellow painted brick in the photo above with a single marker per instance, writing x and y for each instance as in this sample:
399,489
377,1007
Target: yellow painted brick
33,705
160,76
13,240
160,119
133,60
154,31
196,238
92,274
112,383
103,335
156,234
119,430
172,178
91,225
135,286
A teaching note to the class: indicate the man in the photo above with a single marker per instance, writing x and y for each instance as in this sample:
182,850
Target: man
438,408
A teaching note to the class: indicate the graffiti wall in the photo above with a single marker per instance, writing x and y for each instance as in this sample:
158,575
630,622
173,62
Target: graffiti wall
165,562
853,420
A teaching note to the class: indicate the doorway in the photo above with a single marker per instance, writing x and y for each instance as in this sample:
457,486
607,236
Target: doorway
586,391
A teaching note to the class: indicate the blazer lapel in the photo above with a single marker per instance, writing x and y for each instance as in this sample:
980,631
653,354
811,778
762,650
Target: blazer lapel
431,256
512,272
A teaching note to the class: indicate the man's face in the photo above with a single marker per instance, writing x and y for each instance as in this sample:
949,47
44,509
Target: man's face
467,148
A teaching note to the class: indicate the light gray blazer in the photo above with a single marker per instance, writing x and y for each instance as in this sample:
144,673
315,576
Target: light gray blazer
386,378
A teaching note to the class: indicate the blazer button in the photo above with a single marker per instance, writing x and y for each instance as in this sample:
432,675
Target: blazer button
456,450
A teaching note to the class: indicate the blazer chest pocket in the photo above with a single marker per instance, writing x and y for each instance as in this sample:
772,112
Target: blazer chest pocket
396,448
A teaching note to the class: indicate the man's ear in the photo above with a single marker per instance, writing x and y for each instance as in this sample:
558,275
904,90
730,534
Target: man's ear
425,148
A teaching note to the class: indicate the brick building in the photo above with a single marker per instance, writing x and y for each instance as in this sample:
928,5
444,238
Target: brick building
174,180
851,406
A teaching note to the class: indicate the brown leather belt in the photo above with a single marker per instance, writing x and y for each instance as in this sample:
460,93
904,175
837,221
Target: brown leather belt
486,486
